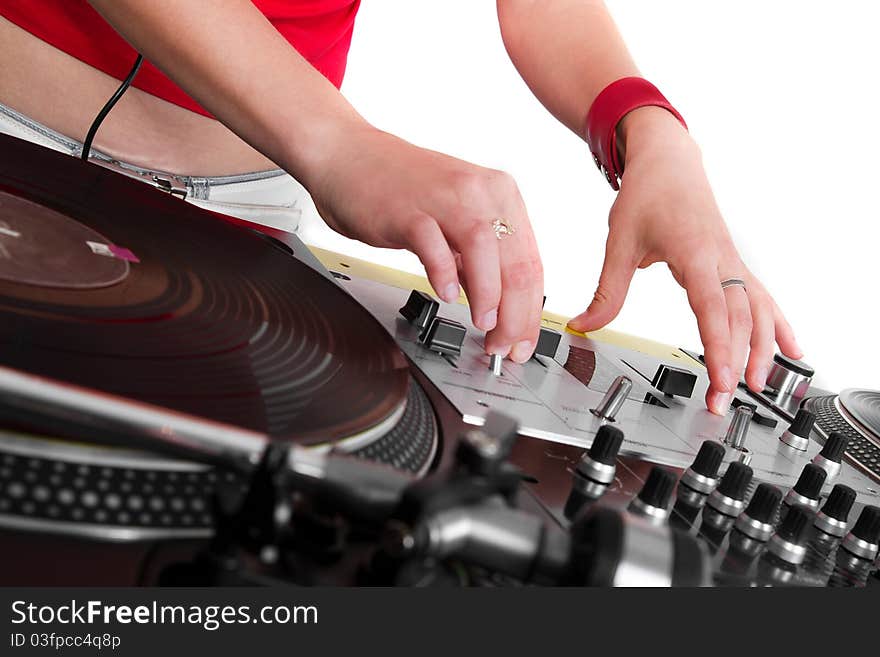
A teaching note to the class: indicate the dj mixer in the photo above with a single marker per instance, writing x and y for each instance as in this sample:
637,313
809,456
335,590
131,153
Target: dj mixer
190,399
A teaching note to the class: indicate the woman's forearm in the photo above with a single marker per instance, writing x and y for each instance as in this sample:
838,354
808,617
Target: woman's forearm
230,59
567,51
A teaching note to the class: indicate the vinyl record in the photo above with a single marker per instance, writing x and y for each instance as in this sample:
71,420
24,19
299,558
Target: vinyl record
111,286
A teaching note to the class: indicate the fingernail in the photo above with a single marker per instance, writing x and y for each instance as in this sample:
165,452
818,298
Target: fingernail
727,382
722,403
488,321
522,351
450,293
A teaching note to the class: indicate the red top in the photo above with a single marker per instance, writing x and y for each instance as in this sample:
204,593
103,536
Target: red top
319,29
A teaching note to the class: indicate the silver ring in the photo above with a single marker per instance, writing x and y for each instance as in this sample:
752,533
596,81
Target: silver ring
730,282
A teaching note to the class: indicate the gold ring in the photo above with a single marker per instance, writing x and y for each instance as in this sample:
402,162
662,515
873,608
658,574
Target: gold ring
502,228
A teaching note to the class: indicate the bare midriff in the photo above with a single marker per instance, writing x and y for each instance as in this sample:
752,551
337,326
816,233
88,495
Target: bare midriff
65,94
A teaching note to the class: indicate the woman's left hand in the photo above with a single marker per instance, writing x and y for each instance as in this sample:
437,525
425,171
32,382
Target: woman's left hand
666,212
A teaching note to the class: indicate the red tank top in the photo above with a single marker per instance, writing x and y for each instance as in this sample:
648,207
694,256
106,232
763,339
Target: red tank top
319,29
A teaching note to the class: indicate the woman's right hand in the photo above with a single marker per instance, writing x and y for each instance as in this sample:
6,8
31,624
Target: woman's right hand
382,190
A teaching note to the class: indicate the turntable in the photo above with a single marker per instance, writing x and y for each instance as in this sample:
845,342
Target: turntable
151,351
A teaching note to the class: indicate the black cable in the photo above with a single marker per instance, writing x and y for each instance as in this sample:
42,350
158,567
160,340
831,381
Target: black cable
126,83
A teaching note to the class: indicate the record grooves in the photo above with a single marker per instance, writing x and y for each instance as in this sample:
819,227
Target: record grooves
147,298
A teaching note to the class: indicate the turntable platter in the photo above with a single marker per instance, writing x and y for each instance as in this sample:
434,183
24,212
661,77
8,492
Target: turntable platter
864,407
180,309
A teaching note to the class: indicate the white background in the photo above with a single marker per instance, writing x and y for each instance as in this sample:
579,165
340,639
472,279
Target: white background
780,95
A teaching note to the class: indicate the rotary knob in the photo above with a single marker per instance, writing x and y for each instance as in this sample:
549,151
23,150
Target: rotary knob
596,469
789,542
613,399
832,454
756,521
833,515
808,487
797,436
728,500
652,502
789,377
863,540
702,475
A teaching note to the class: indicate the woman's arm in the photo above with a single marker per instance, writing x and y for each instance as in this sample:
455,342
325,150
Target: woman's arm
567,51
367,184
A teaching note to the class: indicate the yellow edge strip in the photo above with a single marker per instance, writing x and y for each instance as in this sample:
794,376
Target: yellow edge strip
406,281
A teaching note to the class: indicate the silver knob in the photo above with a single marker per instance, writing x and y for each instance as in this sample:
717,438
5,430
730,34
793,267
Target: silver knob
495,361
613,399
739,428
789,377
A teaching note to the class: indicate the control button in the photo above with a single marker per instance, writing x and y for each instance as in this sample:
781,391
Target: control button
596,469
674,381
548,343
833,516
863,540
789,542
729,498
808,487
832,453
764,420
736,402
735,438
702,475
652,501
789,376
757,520
613,399
420,309
797,436
445,336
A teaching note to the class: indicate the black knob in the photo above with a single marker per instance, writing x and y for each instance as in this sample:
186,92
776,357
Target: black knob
867,527
835,446
657,490
735,481
839,502
802,424
674,381
606,444
708,459
795,524
420,309
548,342
764,503
809,484
445,336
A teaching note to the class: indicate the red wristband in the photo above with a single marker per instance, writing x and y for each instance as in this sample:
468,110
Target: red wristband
613,103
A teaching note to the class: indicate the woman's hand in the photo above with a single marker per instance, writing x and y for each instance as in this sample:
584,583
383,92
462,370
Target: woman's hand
666,212
386,192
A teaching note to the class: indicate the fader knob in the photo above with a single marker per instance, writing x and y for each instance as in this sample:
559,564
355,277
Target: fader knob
757,520
702,475
674,381
728,498
420,309
832,453
548,343
863,540
789,542
834,514
808,487
797,436
445,336
613,399
653,500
